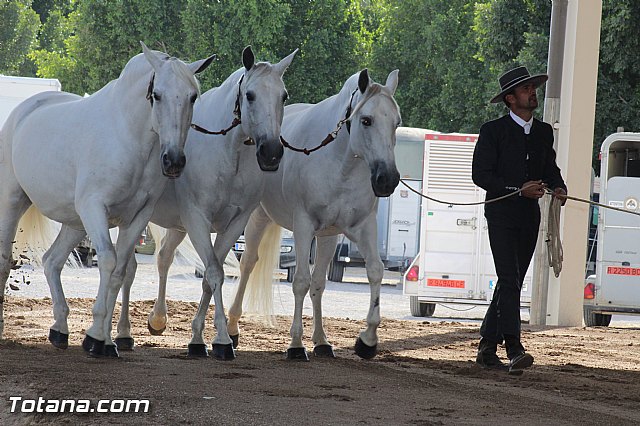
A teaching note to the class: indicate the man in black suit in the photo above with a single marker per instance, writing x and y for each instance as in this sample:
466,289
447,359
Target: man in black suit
513,153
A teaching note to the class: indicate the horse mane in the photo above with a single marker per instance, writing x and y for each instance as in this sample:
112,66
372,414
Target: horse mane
373,89
258,69
139,66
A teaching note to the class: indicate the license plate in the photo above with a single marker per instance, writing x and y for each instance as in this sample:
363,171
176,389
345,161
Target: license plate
239,246
621,270
435,282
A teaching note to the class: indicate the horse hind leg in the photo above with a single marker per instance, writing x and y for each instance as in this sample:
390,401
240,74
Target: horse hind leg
123,340
54,260
13,204
157,319
325,249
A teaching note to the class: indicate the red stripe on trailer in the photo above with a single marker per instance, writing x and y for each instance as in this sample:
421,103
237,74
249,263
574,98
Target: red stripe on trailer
450,137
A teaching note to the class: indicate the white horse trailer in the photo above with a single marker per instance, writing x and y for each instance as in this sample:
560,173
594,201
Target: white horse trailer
615,287
14,90
454,264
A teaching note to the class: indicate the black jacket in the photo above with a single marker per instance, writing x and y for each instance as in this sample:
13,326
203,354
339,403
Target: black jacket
505,158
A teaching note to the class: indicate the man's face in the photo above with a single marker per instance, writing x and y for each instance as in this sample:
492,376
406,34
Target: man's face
524,97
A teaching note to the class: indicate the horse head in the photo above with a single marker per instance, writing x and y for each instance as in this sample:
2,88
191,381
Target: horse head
262,97
374,118
173,90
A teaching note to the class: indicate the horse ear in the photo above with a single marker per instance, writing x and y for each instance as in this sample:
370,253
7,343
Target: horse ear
248,58
392,81
151,56
285,62
363,80
201,65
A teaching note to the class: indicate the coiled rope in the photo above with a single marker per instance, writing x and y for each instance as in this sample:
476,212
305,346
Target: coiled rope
554,243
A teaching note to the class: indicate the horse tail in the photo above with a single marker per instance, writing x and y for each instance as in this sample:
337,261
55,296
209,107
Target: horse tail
36,233
187,254
259,294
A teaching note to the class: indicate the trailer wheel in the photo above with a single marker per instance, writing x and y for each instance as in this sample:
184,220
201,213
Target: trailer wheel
336,271
421,309
593,319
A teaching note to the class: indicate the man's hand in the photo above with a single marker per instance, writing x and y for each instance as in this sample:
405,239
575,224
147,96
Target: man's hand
560,194
533,189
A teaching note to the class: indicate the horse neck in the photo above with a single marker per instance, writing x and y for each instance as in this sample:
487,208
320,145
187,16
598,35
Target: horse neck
225,104
129,92
340,147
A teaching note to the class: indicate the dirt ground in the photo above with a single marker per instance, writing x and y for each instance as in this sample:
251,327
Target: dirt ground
423,375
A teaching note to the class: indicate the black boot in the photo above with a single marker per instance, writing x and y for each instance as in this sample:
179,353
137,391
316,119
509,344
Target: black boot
519,359
487,357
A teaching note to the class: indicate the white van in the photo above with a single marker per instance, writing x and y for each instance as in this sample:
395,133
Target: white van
615,287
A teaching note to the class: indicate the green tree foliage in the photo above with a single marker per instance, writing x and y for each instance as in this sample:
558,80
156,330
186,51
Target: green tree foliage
105,34
333,41
618,97
226,27
18,30
441,81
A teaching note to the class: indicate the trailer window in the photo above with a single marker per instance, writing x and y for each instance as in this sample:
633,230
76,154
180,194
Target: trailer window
409,158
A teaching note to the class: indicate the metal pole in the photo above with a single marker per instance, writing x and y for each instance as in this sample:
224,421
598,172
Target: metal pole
551,115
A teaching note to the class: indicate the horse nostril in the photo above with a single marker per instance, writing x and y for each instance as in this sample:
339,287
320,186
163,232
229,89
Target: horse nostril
166,162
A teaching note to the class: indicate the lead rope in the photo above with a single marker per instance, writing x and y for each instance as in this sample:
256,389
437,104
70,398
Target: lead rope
554,243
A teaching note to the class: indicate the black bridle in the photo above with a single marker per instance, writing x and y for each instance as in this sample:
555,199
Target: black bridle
237,119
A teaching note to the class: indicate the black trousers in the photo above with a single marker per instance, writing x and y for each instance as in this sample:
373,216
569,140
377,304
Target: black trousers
512,247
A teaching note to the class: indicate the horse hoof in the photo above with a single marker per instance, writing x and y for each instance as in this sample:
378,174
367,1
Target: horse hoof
364,351
58,339
111,351
297,354
324,351
223,352
93,347
234,340
155,332
125,343
198,350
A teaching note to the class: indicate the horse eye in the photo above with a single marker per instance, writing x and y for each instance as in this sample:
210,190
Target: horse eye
285,97
156,97
193,98
251,96
366,121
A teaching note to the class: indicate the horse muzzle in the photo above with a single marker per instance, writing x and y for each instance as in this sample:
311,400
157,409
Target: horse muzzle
384,179
173,163
269,154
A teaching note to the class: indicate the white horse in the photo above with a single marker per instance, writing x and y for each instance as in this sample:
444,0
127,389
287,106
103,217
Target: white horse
324,194
218,191
94,163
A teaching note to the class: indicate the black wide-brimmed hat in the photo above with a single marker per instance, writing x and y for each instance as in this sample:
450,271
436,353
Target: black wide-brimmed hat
514,78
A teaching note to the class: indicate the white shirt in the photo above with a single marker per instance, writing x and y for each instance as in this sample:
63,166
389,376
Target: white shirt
526,125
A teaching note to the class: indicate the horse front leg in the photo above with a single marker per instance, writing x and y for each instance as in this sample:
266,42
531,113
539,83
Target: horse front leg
253,233
94,219
224,241
125,270
198,228
325,249
303,235
53,262
157,320
366,344
124,341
